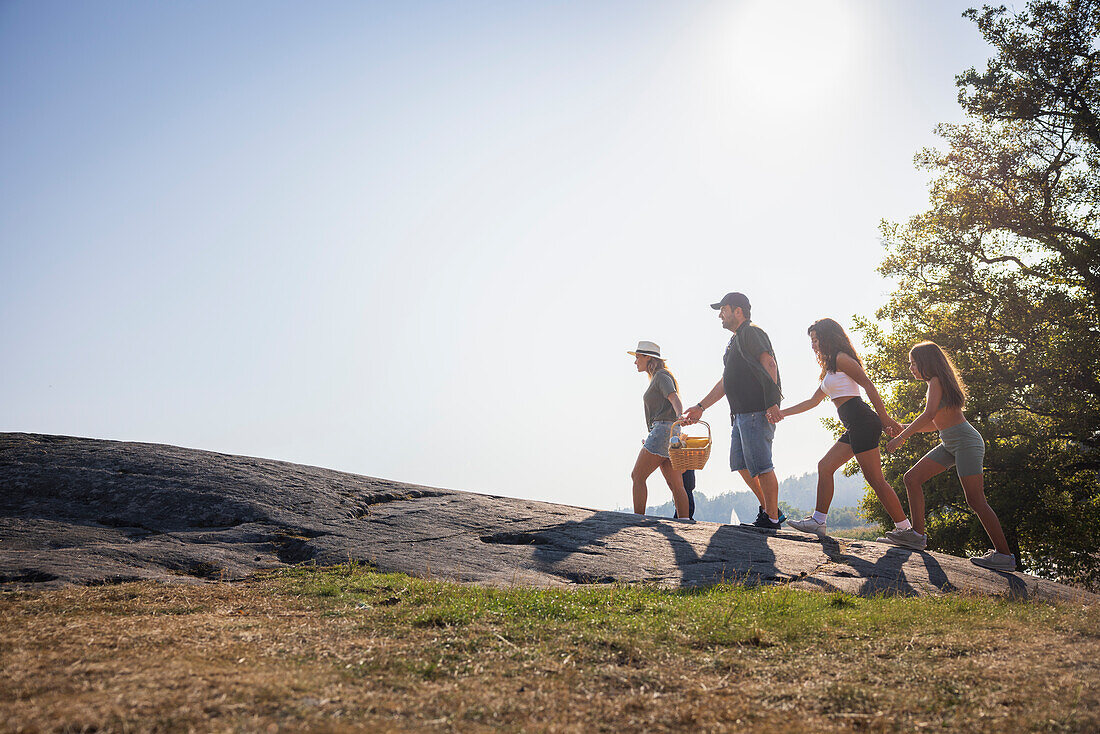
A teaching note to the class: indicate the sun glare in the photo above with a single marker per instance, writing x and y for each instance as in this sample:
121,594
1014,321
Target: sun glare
784,53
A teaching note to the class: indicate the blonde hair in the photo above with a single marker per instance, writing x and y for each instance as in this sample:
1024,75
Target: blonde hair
931,361
655,365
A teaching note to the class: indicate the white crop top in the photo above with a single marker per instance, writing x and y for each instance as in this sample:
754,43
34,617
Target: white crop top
839,385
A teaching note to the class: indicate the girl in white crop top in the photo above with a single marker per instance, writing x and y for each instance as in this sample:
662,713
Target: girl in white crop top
839,385
842,376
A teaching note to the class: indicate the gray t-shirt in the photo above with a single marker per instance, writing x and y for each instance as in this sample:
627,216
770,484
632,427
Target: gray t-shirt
657,406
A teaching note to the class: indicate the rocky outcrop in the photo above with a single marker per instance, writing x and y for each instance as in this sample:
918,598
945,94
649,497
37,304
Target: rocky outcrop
76,510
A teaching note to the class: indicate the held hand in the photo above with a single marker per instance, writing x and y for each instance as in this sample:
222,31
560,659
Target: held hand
892,428
692,415
774,414
894,444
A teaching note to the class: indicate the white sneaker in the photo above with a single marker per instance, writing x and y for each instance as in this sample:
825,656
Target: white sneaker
996,561
809,525
907,538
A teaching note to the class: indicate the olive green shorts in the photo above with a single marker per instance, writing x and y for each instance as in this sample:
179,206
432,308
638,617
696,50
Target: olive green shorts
962,447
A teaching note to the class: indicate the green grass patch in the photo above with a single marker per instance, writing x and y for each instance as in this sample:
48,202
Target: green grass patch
348,648
722,615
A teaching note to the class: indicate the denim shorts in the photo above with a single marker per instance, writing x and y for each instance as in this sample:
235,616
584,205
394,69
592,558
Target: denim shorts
962,447
751,443
657,440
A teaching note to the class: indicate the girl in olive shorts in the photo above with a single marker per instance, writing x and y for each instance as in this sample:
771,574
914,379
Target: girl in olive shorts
842,376
960,446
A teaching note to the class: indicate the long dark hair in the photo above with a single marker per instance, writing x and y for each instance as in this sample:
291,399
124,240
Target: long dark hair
831,341
931,361
655,365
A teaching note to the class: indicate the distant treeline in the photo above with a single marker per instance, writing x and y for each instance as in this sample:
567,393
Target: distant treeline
797,496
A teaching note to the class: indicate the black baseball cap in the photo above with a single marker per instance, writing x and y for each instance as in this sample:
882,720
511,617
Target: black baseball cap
733,300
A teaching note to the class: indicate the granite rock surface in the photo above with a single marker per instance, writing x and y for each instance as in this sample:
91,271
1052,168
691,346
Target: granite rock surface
87,511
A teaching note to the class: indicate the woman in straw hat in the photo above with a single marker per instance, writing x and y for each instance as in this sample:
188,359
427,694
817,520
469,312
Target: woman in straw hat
662,408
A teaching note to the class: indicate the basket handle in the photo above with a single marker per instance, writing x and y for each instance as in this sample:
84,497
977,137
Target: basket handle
681,423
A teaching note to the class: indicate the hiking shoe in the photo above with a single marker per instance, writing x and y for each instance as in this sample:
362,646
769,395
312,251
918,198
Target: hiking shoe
996,561
808,525
908,538
763,521
764,513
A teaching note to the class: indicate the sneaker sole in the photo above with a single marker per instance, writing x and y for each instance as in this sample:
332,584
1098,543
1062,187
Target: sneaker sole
894,543
757,527
818,533
993,567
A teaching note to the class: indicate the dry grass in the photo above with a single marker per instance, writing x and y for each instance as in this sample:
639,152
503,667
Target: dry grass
346,649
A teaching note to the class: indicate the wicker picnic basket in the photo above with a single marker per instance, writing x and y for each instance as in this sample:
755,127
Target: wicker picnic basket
693,457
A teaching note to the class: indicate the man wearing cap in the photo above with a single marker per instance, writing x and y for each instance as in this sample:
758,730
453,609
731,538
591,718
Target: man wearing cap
750,381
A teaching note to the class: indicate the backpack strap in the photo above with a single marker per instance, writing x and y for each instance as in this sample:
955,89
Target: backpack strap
757,368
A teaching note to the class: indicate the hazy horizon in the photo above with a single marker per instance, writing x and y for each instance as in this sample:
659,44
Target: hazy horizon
417,241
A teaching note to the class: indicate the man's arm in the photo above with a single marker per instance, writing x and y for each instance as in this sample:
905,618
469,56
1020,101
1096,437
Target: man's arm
755,343
695,412
769,364
767,361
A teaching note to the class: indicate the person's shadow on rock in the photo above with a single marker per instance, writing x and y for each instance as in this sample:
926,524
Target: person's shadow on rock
732,554
884,575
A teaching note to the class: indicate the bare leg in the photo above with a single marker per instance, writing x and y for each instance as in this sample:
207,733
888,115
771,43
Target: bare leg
675,482
836,457
754,485
643,467
921,472
974,490
870,463
769,487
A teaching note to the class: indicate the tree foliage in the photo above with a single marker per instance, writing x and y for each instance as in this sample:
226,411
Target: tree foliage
1003,271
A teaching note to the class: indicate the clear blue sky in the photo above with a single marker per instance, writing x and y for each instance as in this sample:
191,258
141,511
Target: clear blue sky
415,240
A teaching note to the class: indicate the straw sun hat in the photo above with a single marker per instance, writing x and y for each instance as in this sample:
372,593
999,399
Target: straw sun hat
649,349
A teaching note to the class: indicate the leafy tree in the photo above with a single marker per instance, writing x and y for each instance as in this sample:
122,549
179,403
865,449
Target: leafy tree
1003,271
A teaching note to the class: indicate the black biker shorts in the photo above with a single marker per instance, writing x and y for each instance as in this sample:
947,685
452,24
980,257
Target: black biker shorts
863,424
